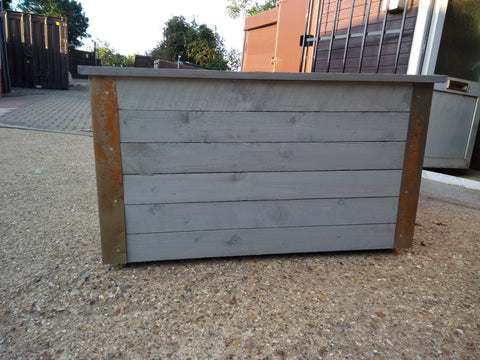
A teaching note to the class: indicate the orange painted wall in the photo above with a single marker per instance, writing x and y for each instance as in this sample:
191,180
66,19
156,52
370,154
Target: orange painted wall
291,23
260,38
272,38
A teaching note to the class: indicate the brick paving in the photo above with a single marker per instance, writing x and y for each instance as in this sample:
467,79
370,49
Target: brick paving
50,110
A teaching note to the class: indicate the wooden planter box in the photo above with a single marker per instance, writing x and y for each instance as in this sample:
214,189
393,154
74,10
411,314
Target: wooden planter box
195,164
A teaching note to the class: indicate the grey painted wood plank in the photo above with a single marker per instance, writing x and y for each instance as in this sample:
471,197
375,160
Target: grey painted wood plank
260,95
206,126
155,158
258,214
201,244
180,188
245,75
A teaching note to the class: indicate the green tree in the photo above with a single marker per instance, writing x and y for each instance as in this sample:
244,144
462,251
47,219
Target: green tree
233,58
244,8
7,5
73,11
110,57
194,43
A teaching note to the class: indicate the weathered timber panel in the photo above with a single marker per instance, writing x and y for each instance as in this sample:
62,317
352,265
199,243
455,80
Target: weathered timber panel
183,188
198,244
174,158
185,95
242,164
221,126
37,50
141,219
79,57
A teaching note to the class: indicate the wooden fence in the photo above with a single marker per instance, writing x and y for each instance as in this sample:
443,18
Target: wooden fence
37,50
197,164
79,57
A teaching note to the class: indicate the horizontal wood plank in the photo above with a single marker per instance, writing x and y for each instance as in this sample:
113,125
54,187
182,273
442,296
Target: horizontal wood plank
201,244
155,158
254,95
181,188
258,214
205,126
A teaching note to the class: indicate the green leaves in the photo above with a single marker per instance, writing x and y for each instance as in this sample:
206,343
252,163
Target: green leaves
194,43
244,8
110,57
73,11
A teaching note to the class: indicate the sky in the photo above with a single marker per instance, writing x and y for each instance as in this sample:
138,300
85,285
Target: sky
134,27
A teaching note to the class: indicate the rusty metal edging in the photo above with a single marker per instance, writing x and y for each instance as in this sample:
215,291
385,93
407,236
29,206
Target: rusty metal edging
108,165
413,163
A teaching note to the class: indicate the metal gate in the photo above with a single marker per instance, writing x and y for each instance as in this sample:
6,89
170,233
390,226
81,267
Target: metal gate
358,36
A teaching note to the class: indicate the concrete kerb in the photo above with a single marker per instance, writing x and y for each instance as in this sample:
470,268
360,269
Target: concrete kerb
451,188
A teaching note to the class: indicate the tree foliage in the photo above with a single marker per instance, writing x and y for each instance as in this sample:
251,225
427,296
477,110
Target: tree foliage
73,11
233,57
110,57
244,8
7,5
194,43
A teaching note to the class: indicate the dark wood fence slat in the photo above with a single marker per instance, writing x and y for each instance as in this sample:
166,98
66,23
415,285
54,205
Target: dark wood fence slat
37,50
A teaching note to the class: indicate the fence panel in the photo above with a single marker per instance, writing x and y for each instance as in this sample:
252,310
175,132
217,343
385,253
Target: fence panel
37,50
79,57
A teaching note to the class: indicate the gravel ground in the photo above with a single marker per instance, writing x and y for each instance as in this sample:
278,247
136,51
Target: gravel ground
59,302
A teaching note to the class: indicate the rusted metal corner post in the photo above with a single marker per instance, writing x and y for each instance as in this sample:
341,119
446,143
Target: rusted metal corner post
413,164
106,139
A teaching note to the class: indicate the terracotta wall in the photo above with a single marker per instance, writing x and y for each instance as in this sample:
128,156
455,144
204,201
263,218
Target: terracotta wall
272,38
260,40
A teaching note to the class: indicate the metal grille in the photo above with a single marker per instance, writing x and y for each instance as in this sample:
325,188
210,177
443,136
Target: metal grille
359,36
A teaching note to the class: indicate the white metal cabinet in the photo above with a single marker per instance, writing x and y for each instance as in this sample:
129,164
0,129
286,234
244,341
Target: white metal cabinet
453,125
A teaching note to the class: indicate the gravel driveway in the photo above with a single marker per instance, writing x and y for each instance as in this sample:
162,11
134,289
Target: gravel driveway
59,302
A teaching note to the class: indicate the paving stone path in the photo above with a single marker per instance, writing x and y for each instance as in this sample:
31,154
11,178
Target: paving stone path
51,110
